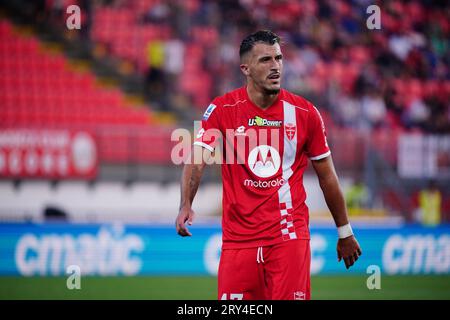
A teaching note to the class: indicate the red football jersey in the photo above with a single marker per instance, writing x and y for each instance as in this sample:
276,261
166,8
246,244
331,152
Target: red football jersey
264,154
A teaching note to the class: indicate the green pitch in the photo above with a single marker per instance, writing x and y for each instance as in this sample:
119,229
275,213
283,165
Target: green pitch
190,288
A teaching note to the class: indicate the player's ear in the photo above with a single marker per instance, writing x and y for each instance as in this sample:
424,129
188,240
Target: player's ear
244,69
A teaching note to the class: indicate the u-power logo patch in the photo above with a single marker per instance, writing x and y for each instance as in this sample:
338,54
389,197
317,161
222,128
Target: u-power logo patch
261,122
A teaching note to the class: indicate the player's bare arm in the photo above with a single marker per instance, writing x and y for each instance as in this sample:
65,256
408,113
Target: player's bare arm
190,180
348,247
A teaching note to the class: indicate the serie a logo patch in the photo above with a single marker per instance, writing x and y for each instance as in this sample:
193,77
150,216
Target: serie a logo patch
209,111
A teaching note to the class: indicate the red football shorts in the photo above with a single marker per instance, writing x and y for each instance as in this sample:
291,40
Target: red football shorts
278,272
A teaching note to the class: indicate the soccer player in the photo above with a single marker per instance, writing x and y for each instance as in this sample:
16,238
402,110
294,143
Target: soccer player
266,240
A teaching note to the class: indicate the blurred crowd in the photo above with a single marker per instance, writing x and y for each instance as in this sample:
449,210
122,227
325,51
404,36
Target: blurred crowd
396,77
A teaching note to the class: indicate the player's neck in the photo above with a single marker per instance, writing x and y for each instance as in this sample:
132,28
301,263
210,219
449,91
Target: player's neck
259,98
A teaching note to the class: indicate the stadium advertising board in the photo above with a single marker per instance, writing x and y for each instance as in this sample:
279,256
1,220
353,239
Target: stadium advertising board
48,249
28,153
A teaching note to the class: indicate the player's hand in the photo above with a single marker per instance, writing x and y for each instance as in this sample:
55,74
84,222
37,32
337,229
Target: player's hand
185,215
349,250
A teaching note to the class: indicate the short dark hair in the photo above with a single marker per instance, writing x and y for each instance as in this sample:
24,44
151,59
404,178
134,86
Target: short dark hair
265,36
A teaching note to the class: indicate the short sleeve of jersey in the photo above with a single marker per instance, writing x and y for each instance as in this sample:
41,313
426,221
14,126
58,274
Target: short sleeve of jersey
208,135
317,146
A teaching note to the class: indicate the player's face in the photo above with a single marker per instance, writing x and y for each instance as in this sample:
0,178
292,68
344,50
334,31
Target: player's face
264,67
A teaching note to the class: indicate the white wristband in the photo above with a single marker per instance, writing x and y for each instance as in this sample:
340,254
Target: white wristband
345,231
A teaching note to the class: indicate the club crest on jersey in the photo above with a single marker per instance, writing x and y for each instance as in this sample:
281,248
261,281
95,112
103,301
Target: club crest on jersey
209,111
290,130
261,122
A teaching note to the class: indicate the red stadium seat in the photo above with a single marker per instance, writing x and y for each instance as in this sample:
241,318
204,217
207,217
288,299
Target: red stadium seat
38,89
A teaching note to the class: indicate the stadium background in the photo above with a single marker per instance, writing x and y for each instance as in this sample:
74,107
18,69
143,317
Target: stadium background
86,118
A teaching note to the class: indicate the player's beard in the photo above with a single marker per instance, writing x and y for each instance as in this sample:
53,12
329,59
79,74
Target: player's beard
271,92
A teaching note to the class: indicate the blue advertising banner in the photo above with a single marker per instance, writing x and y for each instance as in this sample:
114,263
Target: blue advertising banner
118,249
